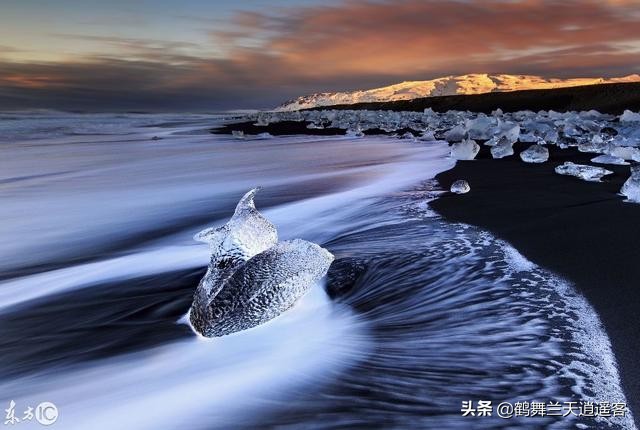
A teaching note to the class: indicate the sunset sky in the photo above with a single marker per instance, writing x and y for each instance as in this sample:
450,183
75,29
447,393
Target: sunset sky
210,55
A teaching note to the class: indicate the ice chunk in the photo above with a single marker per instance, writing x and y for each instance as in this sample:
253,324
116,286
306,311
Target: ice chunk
503,148
596,145
460,187
551,136
238,134
456,134
631,187
535,154
264,136
510,131
354,132
408,135
427,136
465,150
609,159
251,277
528,137
629,116
582,171
626,152
479,128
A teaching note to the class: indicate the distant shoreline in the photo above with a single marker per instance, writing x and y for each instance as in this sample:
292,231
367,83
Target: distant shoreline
605,98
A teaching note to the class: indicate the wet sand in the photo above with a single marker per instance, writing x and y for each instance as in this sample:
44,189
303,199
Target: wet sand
582,231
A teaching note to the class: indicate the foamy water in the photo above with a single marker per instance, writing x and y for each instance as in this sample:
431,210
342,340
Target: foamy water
99,267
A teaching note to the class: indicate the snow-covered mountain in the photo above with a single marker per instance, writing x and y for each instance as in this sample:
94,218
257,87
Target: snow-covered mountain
449,85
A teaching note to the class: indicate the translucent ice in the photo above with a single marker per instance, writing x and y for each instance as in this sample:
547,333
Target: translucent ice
609,159
238,134
503,148
252,277
582,171
456,134
264,136
596,145
465,150
535,154
408,135
479,128
631,187
625,152
354,132
629,116
427,136
460,187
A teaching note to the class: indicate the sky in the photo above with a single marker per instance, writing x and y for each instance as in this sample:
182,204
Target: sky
207,55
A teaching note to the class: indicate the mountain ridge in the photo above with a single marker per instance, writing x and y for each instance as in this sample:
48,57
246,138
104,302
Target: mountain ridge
470,84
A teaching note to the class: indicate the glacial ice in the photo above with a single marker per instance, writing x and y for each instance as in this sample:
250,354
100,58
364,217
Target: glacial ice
252,277
503,148
610,138
428,136
609,159
582,171
479,128
456,134
238,134
465,150
628,116
264,136
631,187
626,152
408,135
354,132
535,154
460,187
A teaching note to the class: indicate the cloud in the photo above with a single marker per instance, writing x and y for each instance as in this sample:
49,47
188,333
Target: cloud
269,57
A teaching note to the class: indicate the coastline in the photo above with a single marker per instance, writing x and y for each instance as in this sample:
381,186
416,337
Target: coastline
582,231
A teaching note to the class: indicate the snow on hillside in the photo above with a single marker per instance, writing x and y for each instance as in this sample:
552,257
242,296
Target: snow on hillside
449,85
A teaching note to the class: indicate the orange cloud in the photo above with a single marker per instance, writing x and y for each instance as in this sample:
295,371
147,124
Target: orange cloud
270,57
412,36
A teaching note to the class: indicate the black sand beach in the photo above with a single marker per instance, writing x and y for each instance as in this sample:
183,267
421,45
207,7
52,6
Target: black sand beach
582,231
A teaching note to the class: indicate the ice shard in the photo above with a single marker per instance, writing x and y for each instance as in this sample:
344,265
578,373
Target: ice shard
631,187
582,171
252,277
460,187
465,150
535,154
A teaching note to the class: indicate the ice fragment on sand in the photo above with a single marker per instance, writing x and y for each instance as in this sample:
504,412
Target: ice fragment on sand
609,159
582,171
631,187
629,116
252,277
535,154
460,187
625,152
354,132
465,150
264,136
503,148
479,128
238,134
427,136
456,134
